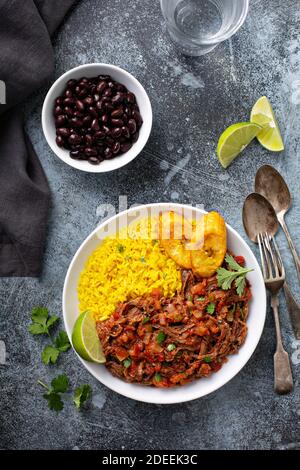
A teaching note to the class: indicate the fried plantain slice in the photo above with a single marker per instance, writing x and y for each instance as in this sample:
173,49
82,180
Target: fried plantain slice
174,231
208,244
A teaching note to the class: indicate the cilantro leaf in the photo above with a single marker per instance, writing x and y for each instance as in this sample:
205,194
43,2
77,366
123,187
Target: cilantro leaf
60,384
157,377
160,337
237,275
41,322
37,329
39,315
81,395
53,319
54,401
62,341
210,308
145,320
50,354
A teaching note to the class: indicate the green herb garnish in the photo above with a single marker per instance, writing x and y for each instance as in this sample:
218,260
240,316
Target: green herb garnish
42,323
201,298
207,359
120,248
237,275
145,320
127,363
160,337
81,395
157,377
59,385
171,347
211,308
143,259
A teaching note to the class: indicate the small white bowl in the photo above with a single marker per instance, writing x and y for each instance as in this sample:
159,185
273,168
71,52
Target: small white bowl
197,388
92,70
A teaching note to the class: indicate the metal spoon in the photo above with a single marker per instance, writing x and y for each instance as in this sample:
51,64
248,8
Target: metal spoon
270,184
260,217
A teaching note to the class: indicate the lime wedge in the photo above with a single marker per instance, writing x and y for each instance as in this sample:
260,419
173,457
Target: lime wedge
85,339
234,140
263,115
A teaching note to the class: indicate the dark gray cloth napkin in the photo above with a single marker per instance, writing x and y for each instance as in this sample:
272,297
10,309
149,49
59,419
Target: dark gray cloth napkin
26,63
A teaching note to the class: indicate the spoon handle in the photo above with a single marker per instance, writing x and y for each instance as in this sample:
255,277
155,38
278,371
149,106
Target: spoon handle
283,378
294,310
291,245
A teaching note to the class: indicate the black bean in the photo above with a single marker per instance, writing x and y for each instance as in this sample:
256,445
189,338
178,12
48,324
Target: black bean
90,152
116,148
92,111
104,119
99,135
117,122
76,122
89,140
57,111
74,139
68,111
137,117
101,87
60,141
117,112
116,132
95,125
87,120
106,130
94,160
125,132
88,101
117,99
76,154
63,131
71,83
107,93
60,120
135,137
132,126
126,146
59,101
80,105
108,153
130,98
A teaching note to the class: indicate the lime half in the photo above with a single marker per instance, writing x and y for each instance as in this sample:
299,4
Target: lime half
263,115
85,339
234,140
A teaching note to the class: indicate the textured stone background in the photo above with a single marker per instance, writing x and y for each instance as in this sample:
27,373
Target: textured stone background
193,101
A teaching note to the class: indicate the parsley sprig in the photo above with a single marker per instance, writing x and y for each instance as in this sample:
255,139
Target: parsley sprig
236,274
81,395
59,385
41,324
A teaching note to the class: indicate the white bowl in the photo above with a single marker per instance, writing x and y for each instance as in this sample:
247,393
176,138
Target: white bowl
197,388
92,70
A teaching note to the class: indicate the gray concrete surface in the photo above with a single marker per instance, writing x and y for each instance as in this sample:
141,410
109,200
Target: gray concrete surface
193,100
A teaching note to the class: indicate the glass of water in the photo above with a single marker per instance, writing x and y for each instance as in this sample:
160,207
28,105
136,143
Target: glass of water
198,26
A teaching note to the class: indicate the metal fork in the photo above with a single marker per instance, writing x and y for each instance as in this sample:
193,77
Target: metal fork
274,277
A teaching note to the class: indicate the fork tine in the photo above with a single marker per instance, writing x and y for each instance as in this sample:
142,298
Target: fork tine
267,257
268,241
262,256
279,258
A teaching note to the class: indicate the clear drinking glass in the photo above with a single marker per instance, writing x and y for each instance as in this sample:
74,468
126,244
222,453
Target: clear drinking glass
197,26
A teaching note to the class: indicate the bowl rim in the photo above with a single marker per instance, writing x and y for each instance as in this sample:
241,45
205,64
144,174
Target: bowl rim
119,160
170,399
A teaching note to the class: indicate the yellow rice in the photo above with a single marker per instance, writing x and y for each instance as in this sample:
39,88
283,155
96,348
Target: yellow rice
122,268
